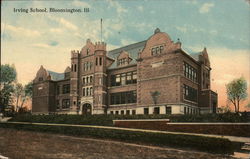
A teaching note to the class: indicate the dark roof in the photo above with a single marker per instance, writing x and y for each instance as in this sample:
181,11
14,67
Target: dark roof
56,76
132,49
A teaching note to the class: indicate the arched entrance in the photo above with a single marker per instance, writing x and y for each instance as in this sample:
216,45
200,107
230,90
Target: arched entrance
86,109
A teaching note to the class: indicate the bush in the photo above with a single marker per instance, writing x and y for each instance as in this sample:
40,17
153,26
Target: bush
107,120
209,144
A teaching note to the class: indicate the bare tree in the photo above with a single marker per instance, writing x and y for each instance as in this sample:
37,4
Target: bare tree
237,91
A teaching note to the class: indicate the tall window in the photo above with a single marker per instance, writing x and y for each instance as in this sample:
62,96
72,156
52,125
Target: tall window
168,110
189,93
87,51
123,79
190,72
146,111
87,92
100,61
75,67
66,88
156,110
83,92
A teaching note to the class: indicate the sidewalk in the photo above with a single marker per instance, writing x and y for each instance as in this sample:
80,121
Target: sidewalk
231,138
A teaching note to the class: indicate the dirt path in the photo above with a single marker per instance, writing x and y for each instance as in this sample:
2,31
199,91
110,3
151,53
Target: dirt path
32,145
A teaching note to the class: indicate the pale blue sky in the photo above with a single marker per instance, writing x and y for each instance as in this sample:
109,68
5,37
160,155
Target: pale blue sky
34,39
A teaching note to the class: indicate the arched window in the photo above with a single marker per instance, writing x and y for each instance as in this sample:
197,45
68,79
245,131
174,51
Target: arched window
87,80
83,80
75,68
91,79
87,92
90,91
83,92
100,61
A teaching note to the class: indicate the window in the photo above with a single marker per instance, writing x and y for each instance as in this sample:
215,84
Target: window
122,112
87,51
91,79
185,110
75,68
100,61
123,97
111,112
122,61
153,51
87,91
156,110
118,80
66,88
134,78
133,112
161,49
127,112
157,50
123,79
190,93
83,92
146,111
190,72
129,78
96,61
168,110
87,80
65,103
90,91
116,112
83,80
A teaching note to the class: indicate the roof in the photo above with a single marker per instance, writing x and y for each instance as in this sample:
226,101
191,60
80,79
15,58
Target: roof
56,76
132,49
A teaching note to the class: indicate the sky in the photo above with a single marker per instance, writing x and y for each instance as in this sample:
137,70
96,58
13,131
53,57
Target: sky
29,40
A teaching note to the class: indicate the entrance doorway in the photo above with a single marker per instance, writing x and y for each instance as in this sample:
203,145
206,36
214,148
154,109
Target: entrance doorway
86,109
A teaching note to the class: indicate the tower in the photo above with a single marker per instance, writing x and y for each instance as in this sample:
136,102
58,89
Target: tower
100,92
74,81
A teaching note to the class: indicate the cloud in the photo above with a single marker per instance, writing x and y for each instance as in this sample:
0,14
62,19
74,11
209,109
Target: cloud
120,10
41,45
67,24
20,30
205,8
81,4
140,8
56,30
182,29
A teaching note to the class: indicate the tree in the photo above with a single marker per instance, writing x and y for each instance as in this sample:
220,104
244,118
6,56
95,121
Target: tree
7,77
27,94
18,93
155,96
237,91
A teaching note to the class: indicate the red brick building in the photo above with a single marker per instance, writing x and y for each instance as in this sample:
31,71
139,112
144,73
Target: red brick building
152,76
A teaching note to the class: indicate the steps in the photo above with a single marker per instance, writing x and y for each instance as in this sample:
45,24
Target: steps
244,152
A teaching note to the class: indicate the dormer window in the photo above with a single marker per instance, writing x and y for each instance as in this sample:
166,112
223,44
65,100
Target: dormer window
122,61
87,51
156,50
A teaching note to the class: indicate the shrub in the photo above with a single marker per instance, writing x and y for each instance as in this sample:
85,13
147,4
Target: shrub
107,120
